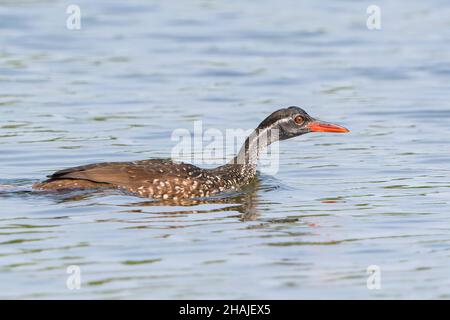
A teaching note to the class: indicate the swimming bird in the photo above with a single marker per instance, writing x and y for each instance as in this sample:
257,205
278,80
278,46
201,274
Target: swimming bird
166,179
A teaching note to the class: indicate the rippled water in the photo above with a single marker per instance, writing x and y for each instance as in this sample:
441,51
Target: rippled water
116,89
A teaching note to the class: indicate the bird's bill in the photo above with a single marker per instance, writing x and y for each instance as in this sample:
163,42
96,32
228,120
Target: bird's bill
320,126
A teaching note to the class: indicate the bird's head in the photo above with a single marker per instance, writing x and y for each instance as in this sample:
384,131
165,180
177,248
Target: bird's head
294,121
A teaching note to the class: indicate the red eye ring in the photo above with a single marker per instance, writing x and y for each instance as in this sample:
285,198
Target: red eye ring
299,120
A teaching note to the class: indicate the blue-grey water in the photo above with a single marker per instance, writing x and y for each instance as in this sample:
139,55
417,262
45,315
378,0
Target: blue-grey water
116,89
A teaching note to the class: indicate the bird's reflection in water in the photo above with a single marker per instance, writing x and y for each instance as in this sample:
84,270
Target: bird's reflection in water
244,202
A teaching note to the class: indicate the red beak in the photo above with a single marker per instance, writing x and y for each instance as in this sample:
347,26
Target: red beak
319,126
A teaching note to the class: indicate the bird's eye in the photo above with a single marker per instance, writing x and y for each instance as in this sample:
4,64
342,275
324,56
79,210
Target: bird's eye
299,120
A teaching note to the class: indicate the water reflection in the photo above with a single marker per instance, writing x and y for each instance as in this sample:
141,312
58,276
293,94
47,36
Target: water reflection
379,195
245,203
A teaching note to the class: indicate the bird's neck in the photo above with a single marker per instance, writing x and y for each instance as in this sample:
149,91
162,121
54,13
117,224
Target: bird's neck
242,168
253,147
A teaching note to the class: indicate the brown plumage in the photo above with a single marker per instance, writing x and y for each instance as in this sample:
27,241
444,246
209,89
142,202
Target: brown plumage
165,179
156,178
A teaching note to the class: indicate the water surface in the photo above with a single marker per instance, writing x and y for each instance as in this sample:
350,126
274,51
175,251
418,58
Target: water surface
116,89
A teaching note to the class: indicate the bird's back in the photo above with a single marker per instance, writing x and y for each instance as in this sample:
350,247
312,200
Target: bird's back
155,178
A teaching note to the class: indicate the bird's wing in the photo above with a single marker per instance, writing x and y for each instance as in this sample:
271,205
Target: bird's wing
120,173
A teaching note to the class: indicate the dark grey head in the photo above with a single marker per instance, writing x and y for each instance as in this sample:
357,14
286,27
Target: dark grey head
294,121
280,125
